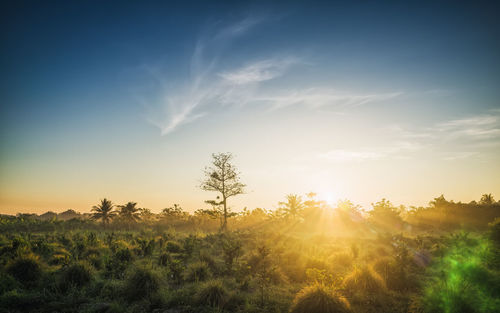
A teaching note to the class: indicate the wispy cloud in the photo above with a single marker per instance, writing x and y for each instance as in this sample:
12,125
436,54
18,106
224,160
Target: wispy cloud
211,83
341,155
460,155
397,150
475,127
457,139
185,104
259,71
320,97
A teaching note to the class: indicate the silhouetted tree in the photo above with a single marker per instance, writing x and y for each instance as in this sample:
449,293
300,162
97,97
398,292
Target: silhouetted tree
173,211
130,212
104,211
384,214
223,177
486,199
348,212
146,215
293,206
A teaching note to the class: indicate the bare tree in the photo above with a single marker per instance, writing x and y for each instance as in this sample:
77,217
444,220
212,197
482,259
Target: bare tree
223,177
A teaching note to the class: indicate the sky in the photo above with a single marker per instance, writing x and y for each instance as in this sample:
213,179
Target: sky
351,100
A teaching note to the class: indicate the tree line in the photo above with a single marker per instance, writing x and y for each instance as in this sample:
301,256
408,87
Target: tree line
223,178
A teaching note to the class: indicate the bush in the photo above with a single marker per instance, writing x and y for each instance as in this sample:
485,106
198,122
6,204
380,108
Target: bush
364,280
207,258
123,255
141,283
7,283
213,294
60,257
173,247
197,271
164,259
77,274
384,266
175,268
117,265
395,277
495,231
26,269
319,299
317,263
21,301
341,260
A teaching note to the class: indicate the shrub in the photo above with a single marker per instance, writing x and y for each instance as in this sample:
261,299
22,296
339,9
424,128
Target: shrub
316,263
7,283
354,251
495,231
197,271
384,266
123,255
96,261
365,280
319,299
342,260
395,277
173,247
141,283
213,294
293,265
77,274
21,301
164,259
231,249
117,265
60,257
111,289
26,269
208,259
175,268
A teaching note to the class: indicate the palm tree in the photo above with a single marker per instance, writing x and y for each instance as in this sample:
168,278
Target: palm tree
104,211
486,199
293,206
130,212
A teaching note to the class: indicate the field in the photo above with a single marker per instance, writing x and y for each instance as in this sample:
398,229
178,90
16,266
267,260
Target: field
313,259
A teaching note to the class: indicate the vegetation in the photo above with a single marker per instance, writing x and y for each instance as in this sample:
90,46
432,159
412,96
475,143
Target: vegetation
319,299
224,178
304,257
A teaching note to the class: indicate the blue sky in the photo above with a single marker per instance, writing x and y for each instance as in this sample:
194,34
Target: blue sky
357,100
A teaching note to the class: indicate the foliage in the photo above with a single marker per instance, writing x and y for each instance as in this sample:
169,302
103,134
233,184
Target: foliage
224,178
196,272
130,212
319,299
213,293
462,282
76,275
364,279
141,283
173,247
104,211
293,206
180,262
26,269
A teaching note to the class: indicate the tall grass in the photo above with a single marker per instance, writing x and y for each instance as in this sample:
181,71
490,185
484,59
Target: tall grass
319,299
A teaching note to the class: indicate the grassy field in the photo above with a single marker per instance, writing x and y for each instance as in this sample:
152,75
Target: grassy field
179,262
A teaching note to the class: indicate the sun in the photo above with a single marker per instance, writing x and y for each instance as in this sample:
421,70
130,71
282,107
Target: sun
329,197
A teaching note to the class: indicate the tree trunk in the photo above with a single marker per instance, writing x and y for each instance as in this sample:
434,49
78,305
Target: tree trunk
224,225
